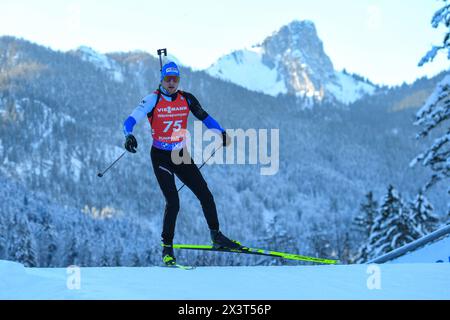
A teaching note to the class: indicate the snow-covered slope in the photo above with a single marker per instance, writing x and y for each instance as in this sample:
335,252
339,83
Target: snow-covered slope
433,247
347,89
438,251
393,281
291,61
247,69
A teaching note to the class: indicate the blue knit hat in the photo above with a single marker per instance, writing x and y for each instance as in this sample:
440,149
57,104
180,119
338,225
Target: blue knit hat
170,69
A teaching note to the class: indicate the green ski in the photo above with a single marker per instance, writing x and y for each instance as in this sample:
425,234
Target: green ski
179,266
254,251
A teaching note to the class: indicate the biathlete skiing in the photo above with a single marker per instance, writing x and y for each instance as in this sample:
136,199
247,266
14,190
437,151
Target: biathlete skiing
167,110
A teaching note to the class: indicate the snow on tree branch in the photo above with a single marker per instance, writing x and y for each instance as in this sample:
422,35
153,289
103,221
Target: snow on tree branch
442,16
436,111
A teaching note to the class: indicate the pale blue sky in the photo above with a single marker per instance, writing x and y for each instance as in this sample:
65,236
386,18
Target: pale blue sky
382,40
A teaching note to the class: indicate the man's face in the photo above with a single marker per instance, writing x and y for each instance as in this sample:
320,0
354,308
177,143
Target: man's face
170,83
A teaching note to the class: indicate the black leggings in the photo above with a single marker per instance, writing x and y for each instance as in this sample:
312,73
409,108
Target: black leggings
165,171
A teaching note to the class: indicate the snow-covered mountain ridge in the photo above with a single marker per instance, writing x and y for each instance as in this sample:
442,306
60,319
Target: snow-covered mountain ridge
291,61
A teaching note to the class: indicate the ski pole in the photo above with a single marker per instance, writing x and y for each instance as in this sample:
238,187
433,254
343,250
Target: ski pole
200,168
160,52
101,174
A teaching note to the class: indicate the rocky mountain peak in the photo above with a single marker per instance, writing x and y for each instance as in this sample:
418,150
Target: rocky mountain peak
290,61
299,54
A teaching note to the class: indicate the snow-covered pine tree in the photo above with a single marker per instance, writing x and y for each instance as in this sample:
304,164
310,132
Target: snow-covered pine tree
48,241
440,17
3,247
447,218
86,259
22,246
339,226
363,254
392,226
364,223
105,257
433,114
88,242
422,217
346,254
72,250
436,111
368,210
118,253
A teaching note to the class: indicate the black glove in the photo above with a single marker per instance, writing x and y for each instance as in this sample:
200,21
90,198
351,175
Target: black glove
226,139
131,143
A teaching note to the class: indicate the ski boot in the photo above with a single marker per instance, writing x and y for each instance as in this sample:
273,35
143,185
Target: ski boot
168,255
219,241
